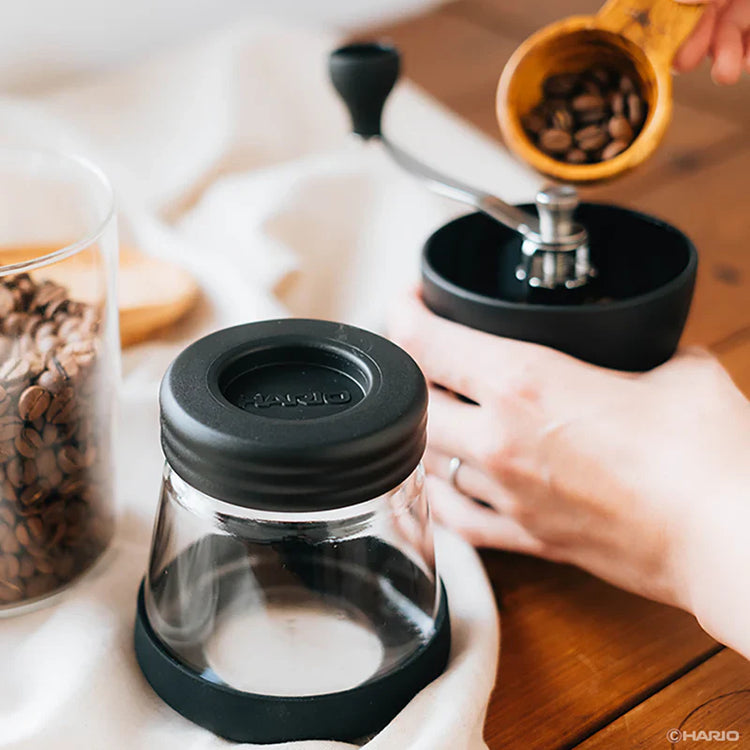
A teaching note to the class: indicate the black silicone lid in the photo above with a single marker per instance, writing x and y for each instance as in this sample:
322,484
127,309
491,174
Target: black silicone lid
293,415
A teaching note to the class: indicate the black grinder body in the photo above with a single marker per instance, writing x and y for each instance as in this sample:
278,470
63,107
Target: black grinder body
629,317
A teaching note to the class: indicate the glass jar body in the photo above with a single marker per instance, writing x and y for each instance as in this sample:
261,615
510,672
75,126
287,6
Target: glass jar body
59,365
292,604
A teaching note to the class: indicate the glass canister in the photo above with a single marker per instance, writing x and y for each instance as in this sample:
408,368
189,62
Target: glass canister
59,360
291,591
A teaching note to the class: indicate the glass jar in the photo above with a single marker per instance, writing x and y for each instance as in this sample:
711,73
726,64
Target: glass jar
59,361
291,591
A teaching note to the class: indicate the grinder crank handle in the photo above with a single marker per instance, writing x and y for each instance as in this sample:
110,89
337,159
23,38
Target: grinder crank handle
364,74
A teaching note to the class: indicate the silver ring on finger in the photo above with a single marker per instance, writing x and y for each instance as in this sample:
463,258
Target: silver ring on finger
453,467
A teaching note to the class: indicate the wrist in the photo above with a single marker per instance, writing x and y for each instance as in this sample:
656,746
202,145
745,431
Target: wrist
715,563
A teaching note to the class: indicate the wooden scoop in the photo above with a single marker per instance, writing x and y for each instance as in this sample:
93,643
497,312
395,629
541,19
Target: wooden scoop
636,37
152,293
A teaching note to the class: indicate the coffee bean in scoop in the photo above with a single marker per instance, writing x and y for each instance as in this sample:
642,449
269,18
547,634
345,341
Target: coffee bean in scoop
587,117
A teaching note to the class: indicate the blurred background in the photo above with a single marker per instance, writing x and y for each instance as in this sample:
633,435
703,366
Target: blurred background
47,42
454,51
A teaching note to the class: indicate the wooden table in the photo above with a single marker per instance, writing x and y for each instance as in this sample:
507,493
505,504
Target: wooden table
583,664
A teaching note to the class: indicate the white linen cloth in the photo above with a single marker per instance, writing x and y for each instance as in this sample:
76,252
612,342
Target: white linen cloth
232,159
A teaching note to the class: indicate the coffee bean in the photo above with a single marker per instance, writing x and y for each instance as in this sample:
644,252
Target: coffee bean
32,494
534,122
44,565
9,493
27,566
10,544
46,293
602,76
49,434
66,363
603,104
49,299
67,431
30,472
52,379
36,550
591,117
7,449
71,486
30,328
14,371
33,403
9,568
28,442
36,529
614,149
7,302
54,513
591,86
591,138
70,459
14,472
576,156
45,462
626,85
61,408
620,129
22,535
5,401
588,102
617,103
562,119
58,533
555,141
636,112
561,85
13,324
90,455
67,327
10,593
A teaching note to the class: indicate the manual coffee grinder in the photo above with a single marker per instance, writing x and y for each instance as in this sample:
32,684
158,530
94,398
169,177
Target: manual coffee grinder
603,283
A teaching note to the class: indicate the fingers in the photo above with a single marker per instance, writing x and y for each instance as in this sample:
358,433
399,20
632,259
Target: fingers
466,361
470,481
728,47
728,51
454,427
479,526
722,32
698,45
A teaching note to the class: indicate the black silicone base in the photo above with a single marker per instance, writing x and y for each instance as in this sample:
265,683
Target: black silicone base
248,717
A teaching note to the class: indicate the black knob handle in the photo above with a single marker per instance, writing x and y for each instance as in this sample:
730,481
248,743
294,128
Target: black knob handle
364,75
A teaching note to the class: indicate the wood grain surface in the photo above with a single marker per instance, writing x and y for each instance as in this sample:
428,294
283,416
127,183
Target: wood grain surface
584,664
714,697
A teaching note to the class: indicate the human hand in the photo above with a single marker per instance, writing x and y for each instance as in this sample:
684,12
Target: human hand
626,475
723,32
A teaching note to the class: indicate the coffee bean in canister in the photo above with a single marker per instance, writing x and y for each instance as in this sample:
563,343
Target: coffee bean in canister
55,514
33,403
